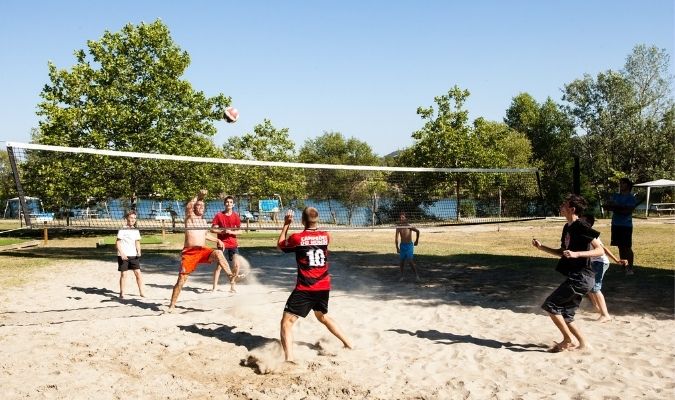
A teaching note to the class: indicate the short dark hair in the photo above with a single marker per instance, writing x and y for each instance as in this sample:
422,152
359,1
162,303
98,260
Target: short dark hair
578,202
627,181
129,212
228,197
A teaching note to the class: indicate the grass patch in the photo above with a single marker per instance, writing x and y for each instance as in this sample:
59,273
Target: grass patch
503,246
9,224
145,239
8,241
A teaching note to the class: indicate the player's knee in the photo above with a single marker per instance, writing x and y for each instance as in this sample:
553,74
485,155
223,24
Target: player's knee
286,323
323,318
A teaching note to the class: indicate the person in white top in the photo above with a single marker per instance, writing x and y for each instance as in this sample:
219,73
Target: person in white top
129,252
600,264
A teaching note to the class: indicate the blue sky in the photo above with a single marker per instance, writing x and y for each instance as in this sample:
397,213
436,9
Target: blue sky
356,67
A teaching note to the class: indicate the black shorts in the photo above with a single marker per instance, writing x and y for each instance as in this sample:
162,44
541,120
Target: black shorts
229,253
622,236
565,300
129,263
301,301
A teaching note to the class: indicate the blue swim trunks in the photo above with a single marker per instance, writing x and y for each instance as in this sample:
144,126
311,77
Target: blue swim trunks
599,268
407,250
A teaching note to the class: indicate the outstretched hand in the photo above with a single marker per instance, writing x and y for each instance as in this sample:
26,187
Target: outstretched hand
288,218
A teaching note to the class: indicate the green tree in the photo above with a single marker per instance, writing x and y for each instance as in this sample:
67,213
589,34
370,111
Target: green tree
7,184
124,92
551,134
514,151
626,119
266,143
351,188
447,140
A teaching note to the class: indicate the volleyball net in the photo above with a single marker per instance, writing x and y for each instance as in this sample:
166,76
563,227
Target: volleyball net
83,188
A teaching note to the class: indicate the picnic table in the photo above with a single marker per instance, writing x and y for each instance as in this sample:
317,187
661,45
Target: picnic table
663,207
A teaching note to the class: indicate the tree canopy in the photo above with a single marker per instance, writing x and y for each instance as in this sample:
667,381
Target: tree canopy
626,119
551,135
351,188
124,92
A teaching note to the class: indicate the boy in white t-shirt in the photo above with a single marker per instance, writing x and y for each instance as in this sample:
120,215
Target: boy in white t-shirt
600,264
129,252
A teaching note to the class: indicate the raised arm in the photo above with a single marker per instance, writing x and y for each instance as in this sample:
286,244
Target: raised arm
190,206
288,219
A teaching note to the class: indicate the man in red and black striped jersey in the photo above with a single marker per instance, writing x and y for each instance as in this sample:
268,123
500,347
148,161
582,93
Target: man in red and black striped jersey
313,284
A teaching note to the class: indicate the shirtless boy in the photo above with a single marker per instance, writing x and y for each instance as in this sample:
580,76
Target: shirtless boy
405,250
195,250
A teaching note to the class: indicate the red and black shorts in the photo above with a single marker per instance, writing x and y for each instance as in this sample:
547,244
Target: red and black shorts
300,302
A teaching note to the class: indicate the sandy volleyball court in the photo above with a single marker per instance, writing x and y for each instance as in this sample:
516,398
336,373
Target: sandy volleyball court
455,335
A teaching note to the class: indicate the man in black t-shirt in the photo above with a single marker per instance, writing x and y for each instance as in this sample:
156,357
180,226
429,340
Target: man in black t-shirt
562,304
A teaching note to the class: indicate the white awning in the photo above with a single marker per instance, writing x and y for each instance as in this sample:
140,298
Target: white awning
650,185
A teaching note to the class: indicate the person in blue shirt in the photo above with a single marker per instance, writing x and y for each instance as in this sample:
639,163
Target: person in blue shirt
622,205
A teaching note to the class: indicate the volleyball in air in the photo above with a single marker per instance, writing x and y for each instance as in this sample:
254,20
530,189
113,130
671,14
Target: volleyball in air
231,115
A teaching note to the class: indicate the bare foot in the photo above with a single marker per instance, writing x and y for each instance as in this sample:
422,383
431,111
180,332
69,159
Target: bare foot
233,289
584,347
562,346
142,294
604,318
121,296
289,367
171,309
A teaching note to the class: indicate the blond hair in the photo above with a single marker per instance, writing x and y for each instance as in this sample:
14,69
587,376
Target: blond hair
310,216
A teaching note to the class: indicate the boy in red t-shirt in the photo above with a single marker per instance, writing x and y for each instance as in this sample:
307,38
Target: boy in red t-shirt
226,224
313,283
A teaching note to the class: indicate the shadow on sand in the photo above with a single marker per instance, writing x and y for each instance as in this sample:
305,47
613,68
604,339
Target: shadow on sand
517,283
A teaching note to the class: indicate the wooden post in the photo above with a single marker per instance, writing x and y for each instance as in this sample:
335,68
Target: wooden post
163,232
45,235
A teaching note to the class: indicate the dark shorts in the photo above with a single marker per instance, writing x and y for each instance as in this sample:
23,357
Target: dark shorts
229,253
622,236
129,263
566,298
300,302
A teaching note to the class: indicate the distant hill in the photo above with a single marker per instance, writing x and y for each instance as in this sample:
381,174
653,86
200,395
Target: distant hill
394,153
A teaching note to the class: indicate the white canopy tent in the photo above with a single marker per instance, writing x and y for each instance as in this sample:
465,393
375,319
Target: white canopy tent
650,185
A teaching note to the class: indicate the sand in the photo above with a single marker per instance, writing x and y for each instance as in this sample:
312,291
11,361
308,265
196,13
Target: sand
66,335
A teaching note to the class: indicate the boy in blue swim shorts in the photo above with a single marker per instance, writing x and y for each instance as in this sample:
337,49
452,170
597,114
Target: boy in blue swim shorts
406,247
